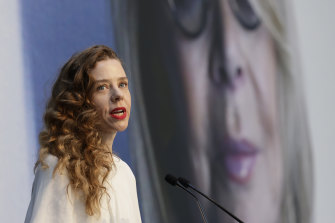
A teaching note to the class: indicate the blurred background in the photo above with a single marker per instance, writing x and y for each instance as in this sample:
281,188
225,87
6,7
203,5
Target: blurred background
37,38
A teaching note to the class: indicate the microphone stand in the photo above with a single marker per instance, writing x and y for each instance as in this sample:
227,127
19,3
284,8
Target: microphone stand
174,181
187,184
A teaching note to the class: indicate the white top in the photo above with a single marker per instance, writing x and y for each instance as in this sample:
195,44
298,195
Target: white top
51,203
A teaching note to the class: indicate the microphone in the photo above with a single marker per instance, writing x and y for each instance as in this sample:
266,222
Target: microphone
187,184
174,181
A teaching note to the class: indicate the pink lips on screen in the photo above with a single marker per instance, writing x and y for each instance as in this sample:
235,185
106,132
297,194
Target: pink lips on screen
119,113
239,160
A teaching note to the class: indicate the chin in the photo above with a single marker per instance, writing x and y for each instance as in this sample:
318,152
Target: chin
119,128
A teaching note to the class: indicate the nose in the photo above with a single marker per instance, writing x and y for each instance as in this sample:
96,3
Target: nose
116,95
227,61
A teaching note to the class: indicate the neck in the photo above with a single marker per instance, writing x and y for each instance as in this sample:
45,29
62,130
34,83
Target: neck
108,139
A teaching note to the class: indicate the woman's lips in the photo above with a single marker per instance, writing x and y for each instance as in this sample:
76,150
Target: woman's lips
119,113
240,156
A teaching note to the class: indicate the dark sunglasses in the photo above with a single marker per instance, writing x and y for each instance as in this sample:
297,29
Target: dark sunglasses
191,15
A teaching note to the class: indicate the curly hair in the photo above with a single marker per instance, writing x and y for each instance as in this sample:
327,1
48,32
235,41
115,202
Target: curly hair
70,131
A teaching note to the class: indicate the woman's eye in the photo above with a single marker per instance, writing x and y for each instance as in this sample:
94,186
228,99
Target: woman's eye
102,87
245,14
123,85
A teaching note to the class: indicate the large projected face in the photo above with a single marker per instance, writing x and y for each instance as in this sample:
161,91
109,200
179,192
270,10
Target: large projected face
229,68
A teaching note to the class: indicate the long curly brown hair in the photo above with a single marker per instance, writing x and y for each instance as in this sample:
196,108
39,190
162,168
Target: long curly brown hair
70,131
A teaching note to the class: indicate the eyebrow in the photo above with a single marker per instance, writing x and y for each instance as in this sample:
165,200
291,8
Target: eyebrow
108,80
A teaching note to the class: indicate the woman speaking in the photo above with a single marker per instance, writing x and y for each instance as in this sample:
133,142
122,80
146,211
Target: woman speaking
78,178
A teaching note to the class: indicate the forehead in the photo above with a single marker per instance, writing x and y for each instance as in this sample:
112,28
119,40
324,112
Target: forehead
108,69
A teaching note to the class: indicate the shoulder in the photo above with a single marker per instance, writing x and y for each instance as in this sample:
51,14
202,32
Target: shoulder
46,176
51,162
122,169
46,180
49,199
119,163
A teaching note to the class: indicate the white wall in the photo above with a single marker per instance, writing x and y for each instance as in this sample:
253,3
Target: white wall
16,171
315,21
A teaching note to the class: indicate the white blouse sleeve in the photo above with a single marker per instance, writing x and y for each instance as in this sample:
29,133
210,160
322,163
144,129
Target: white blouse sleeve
132,190
51,203
49,200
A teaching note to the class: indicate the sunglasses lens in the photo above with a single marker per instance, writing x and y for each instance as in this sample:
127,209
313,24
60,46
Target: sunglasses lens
190,15
245,14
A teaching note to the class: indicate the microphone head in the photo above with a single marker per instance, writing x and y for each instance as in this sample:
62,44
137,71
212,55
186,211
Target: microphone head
184,182
171,179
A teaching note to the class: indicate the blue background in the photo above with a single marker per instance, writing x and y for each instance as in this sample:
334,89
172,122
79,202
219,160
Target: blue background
52,32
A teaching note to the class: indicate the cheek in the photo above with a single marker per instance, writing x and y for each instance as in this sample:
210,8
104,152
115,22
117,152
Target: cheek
100,103
262,60
264,71
128,100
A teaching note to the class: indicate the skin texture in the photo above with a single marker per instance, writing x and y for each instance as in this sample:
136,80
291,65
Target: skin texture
243,110
110,92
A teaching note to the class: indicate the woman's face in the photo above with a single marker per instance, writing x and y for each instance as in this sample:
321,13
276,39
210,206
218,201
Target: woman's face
111,95
229,73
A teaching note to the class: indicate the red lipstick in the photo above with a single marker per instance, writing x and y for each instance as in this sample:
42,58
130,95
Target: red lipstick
119,113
